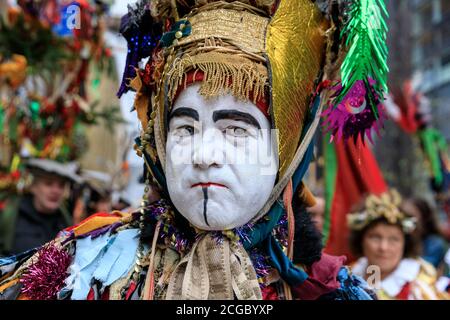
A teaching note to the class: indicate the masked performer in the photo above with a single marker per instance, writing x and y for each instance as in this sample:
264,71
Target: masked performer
229,101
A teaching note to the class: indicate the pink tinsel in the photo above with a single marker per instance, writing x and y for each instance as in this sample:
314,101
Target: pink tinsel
354,117
45,278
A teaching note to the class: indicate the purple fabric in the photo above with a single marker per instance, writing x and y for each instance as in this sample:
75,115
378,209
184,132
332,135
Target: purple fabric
98,232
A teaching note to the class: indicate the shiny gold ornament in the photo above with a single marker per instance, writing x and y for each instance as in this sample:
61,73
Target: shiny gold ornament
387,206
295,47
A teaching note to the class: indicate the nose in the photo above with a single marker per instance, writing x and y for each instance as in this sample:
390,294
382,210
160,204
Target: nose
384,245
208,150
57,188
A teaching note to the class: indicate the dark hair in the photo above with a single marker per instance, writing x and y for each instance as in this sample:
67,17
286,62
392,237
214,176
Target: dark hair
308,239
412,244
39,174
428,217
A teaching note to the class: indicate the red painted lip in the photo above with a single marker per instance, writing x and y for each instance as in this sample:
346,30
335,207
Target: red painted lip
208,184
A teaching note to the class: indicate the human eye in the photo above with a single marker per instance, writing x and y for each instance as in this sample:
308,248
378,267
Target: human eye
394,240
236,131
375,237
185,130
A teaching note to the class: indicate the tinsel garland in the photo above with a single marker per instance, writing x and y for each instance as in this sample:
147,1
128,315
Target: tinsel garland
261,265
169,233
45,278
351,118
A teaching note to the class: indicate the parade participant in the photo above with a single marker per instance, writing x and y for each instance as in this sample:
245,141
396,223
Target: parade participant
383,237
35,218
434,246
228,118
100,187
122,203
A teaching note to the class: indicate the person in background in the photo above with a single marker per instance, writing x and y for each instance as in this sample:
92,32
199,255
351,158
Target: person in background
34,218
382,236
122,204
99,186
99,202
434,246
317,213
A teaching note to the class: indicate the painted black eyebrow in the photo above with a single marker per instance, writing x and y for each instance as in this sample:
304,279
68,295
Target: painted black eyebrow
184,112
236,115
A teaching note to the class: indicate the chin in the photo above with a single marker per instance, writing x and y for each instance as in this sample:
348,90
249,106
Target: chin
52,208
217,226
216,222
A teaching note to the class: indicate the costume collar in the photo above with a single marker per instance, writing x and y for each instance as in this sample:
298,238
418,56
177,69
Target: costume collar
407,271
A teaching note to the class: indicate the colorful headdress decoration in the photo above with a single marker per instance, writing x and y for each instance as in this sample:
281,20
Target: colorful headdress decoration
386,206
287,51
277,53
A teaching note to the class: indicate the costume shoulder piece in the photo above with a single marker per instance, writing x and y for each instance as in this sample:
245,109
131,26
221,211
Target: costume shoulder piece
51,271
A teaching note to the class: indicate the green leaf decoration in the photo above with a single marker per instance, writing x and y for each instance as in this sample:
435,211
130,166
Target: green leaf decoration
42,49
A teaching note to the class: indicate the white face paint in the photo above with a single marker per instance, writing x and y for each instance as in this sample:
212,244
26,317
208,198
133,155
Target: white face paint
220,167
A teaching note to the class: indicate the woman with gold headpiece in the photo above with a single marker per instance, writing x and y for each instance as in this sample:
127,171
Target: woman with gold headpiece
383,236
229,101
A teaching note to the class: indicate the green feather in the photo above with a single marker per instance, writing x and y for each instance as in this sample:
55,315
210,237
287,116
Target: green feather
365,37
